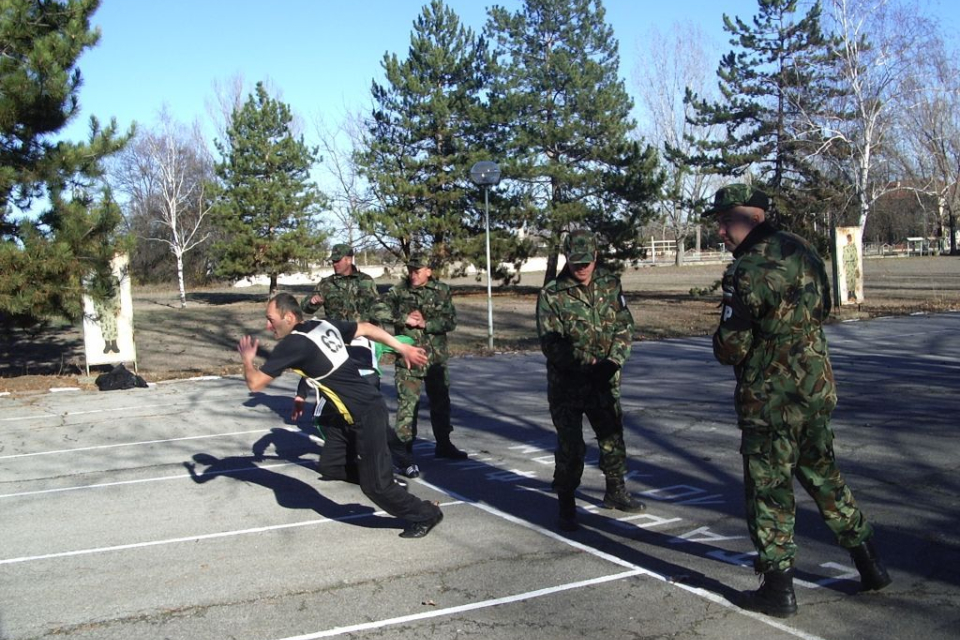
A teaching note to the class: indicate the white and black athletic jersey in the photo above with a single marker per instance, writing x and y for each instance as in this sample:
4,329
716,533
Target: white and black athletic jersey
317,350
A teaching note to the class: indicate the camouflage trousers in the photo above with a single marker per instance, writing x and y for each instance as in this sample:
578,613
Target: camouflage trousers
409,385
771,459
568,405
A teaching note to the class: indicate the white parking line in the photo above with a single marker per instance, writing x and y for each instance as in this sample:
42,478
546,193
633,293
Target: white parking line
473,606
208,536
155,543
127,444
634,570
142,480
83,413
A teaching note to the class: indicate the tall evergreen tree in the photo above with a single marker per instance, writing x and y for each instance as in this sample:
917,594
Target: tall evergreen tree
268,206
562,116
770,84
422,139
58,222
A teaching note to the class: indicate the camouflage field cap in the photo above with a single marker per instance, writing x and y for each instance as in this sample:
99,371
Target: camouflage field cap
737,195
418,261
339,251
580,247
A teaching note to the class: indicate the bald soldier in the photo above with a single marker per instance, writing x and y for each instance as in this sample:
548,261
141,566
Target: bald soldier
776,298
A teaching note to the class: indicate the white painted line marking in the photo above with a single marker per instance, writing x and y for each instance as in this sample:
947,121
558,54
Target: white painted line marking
473,606
83,413
128,444
144,480
193,379
208,536
634,570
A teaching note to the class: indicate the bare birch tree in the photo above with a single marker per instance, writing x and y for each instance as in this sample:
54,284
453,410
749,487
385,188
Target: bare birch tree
165,173
930,153
228,96
348,193
879,42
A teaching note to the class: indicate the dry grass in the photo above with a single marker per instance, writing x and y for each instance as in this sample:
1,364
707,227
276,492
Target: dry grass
201,339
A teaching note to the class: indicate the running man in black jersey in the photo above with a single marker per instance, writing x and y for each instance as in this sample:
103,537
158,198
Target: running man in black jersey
316,349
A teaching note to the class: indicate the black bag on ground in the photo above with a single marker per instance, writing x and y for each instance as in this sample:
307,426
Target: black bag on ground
119,378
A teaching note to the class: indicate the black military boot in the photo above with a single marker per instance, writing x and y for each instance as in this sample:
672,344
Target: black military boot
873,575
775,596
446,449
617,497
568,511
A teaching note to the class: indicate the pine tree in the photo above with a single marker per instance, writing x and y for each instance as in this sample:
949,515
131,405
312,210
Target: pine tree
268,206
563,119
771,84
422,139
58,222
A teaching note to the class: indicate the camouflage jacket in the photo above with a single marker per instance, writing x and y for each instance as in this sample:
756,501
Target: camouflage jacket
776,298
580,324
351,297
434,301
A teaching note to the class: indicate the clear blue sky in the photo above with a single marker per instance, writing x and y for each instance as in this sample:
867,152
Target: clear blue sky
320,54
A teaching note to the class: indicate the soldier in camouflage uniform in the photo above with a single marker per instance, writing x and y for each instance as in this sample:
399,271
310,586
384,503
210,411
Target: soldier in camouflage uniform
586,333
775,299
421,308
347,295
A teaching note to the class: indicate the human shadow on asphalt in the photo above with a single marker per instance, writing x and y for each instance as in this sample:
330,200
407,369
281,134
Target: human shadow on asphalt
290,493
281,405
287,445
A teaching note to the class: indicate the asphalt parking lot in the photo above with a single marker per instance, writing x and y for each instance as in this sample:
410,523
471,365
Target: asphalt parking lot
193,510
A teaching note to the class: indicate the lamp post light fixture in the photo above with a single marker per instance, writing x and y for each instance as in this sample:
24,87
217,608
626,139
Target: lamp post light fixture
486,174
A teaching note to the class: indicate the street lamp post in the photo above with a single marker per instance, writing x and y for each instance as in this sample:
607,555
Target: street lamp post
486,174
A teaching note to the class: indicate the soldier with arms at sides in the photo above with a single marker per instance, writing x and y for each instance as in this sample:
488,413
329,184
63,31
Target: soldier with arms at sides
776,297
586,333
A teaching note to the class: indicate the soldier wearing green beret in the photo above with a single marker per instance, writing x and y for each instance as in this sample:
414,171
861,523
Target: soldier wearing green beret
586,333
421,308
348,294
776,297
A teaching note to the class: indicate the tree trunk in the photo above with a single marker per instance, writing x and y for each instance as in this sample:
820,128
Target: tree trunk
273,284
183,290
552,261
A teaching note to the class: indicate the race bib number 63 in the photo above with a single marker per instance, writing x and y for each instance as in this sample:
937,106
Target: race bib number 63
328,339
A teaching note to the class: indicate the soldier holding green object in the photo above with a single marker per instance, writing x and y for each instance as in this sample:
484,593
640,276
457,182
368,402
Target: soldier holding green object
775,299
421,308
